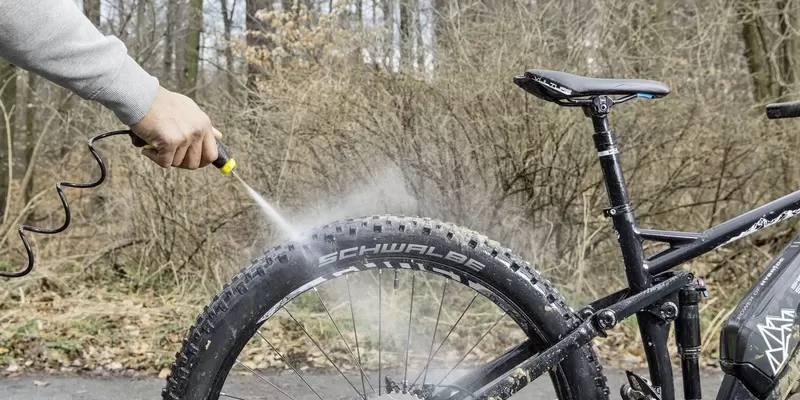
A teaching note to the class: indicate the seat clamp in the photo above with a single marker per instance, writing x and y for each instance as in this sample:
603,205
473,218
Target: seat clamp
618,210
601,105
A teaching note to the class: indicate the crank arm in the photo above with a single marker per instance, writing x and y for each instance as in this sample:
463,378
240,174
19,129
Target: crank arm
515,379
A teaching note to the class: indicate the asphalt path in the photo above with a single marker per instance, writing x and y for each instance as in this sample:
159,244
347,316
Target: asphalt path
50,387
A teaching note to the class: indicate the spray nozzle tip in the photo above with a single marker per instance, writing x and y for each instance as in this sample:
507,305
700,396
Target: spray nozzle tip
228,166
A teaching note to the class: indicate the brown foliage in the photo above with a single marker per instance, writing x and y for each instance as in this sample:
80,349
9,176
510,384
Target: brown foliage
325,134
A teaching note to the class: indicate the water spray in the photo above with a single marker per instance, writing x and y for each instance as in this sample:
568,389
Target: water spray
226,165
267,209
225,162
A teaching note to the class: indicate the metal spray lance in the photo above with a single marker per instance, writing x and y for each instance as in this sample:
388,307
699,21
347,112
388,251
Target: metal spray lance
226,164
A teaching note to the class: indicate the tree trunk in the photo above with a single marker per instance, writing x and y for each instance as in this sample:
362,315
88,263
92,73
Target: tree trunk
141,29
180,41
286,8
227,21
406,50
122,18
8,97
424,19
788,20
253,24
386,41
192,66
756,49
397,38
440,20
169,38
358,24
30,141
92,10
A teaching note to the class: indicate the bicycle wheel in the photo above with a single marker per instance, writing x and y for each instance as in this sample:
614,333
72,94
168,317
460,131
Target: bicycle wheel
381,305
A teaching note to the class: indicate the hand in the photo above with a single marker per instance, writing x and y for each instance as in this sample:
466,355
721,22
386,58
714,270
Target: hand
181,134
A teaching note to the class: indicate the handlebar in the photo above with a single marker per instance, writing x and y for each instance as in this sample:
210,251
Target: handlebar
783,110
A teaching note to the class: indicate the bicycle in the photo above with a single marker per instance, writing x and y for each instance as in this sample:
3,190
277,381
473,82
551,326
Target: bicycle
757,344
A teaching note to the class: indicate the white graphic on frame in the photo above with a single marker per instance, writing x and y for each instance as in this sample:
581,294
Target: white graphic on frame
777,332
763,223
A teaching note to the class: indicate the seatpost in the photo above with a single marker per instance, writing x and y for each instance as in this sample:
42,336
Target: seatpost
654,334
620,210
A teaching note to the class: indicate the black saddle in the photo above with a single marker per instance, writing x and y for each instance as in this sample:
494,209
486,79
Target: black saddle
556,86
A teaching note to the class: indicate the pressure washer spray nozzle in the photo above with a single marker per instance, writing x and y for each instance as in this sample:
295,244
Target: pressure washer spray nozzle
224,161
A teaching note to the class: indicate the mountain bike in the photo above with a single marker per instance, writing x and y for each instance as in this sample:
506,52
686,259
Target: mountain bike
379,274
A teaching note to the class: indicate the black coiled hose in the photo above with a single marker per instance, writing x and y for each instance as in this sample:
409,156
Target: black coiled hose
59,188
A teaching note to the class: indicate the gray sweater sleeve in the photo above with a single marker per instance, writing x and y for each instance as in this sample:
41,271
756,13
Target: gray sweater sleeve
55,40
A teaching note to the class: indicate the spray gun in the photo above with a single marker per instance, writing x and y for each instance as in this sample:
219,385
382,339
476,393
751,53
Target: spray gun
224,162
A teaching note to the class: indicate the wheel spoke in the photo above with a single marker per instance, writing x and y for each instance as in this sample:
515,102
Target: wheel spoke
435,328
263,379
472,348
341,335
355,333
288,363
408,335
474,374
452,328
364,396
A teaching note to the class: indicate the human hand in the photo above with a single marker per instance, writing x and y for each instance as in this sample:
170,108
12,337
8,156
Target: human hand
181,135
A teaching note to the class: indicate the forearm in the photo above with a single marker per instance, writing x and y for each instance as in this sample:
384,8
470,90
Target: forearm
55,40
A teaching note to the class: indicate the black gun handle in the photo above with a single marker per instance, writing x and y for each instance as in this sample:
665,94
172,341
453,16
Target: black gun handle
224,160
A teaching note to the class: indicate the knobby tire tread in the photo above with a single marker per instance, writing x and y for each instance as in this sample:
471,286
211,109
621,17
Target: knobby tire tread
186,360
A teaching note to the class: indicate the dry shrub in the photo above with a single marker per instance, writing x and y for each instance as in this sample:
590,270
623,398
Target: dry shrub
472,148
324,135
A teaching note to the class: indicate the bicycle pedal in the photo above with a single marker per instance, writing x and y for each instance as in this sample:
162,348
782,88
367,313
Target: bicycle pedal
638,388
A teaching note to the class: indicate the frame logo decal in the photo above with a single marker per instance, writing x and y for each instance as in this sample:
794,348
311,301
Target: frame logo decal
763,223
392,264
777,333
407,248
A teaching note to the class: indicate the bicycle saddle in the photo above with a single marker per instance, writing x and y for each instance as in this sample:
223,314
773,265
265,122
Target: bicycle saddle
555,85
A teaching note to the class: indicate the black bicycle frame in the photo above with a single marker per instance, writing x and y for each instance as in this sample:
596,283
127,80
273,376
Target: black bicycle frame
650,284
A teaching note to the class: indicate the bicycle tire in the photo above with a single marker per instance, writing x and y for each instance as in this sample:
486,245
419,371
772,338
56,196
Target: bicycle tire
231,319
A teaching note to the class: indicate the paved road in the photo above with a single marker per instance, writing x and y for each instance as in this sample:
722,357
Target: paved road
245,387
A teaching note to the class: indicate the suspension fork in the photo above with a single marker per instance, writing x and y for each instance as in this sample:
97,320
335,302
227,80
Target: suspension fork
654,332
